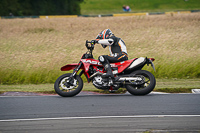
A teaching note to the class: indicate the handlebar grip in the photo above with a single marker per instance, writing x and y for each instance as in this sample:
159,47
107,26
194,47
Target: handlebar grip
92,41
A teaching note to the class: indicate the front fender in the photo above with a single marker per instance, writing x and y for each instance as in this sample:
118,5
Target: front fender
69,67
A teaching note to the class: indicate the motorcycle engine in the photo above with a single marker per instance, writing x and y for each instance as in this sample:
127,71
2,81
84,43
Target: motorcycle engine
99,83
103,84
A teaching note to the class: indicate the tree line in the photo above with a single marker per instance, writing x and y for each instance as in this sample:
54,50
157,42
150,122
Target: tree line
39,7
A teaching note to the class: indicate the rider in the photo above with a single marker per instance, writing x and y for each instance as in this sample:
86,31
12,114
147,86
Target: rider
117,49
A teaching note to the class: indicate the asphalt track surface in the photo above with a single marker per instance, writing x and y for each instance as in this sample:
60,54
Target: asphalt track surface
101,113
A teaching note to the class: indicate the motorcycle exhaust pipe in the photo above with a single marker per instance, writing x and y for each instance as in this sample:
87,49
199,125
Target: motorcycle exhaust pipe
130,79
120,78
97,73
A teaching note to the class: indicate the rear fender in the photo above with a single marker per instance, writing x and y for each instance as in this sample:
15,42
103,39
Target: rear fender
150,61
139,63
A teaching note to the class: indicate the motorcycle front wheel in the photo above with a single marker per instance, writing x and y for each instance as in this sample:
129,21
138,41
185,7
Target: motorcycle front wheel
143,87
70,90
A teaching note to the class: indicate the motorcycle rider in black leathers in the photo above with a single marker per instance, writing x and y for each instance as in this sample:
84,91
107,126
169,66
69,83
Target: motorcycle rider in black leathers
117,47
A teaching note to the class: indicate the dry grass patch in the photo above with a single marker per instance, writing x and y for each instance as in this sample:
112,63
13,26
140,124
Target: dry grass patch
33,50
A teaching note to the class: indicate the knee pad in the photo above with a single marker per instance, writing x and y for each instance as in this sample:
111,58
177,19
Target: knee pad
102,59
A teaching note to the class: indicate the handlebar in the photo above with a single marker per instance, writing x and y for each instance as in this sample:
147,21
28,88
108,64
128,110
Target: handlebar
91,47
88,41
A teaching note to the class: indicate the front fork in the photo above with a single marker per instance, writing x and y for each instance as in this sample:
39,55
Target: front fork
77,69
70,81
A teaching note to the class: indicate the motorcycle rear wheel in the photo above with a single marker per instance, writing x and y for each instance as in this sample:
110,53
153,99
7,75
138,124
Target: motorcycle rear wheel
64,91
148,85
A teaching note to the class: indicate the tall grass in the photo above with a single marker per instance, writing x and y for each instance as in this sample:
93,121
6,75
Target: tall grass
33,50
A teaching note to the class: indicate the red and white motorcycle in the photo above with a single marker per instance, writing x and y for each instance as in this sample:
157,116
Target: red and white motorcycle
128,74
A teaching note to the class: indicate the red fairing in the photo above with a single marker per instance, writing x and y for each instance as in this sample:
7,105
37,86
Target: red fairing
87,62
69,67
122,65
85,67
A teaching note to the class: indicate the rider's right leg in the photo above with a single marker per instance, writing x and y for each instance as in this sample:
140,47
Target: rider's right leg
107,66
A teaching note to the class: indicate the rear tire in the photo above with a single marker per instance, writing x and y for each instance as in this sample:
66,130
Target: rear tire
146,87
65,91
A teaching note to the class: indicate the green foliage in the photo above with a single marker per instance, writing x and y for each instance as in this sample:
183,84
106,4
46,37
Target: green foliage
26,77
115,6
40,75
39,7
186,69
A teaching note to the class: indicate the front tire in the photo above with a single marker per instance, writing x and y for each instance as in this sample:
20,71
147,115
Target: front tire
70,91
144,88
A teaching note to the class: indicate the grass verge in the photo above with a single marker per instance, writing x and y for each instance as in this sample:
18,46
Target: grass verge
163,85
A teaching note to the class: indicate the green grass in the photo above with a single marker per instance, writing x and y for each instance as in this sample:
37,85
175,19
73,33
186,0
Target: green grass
25,77
177,85
115,6
163,85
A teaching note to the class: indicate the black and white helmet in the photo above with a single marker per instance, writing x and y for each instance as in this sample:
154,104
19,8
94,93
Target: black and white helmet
105,34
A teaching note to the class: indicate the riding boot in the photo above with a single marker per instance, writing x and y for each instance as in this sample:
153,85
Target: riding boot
109,71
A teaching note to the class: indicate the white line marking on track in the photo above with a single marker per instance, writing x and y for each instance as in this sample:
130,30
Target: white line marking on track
98,117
